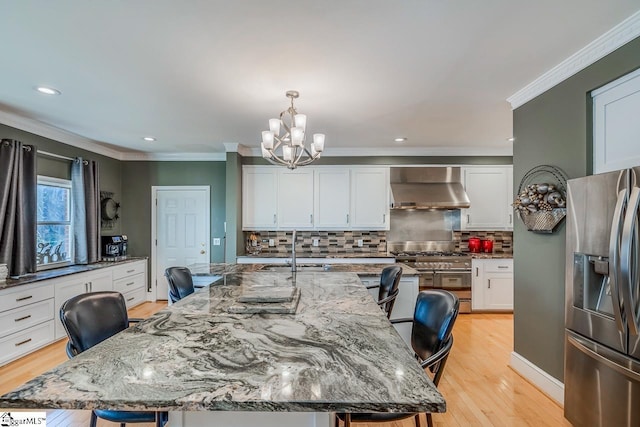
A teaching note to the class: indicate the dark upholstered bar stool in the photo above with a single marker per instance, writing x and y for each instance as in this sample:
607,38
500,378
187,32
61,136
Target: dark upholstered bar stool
431,339
180,282
388,288
90,319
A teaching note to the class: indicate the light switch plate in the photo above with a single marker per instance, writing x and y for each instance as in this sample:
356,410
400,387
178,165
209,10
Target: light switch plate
360,243
216,241
272,242
316,242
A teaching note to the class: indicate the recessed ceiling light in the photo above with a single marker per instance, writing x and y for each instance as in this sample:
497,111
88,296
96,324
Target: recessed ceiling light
149,138
47,90
511,139
400,139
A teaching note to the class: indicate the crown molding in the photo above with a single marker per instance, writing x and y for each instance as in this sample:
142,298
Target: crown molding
57,134
234,147
174,157
616,37
409,151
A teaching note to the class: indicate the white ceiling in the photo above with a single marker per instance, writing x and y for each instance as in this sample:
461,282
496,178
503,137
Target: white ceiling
197,74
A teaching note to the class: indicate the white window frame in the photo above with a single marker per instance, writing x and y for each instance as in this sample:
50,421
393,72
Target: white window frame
64,183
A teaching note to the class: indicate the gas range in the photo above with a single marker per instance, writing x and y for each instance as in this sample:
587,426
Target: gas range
434,260
439,266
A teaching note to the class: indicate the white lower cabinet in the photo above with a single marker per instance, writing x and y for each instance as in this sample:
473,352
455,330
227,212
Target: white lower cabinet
131,281
26,319
67,287
30,314
492,285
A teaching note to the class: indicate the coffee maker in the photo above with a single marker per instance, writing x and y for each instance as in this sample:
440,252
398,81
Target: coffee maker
114,247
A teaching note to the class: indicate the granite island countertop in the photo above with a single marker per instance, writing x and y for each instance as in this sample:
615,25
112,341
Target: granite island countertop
338,352
360,269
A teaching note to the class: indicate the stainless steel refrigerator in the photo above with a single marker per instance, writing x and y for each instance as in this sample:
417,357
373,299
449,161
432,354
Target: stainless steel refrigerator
602,318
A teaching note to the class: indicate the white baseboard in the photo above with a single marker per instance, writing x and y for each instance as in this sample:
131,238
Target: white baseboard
545,382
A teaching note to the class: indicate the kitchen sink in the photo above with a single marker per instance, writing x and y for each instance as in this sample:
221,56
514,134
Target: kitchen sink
300,268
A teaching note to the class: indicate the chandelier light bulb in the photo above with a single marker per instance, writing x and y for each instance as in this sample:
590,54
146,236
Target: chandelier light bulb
267,139
297,136
265,153
287,153
274,126
300,120
318,142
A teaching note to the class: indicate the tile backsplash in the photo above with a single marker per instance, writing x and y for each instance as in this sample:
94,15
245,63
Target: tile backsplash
329,242
346,242
502,240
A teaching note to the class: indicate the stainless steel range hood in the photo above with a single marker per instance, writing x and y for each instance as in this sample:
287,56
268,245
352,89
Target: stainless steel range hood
428,188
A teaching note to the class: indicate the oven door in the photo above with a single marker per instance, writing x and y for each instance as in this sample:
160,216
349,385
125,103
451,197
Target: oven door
425,279
457,282
453,280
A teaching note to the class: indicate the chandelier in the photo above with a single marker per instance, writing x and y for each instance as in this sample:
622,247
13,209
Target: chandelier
294,153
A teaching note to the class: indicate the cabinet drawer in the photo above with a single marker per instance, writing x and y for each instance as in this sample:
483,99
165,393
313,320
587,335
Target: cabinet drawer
135,297
128,269
128,284
24,317
498,265
23,342
24,295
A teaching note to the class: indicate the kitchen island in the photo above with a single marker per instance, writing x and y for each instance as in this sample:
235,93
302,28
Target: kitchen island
337,352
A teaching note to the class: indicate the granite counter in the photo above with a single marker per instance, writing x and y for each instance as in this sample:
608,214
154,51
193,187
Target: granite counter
214,269
338,352
64,271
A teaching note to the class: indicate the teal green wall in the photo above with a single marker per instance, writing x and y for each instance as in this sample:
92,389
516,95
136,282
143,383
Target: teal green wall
139,177
554,129
110,169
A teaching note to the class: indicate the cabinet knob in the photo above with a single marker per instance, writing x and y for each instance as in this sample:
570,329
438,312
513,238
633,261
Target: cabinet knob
202,252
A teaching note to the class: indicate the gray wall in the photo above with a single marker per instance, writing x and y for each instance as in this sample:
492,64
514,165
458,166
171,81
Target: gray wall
109,168
555,129
139,177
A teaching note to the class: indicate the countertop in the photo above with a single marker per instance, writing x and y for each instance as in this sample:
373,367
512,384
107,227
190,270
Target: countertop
360,269
337,353
64,271
491,256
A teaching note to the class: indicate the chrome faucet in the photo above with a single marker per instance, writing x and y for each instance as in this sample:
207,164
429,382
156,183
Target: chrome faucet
294,268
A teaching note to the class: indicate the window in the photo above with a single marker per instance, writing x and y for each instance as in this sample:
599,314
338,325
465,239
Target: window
54,232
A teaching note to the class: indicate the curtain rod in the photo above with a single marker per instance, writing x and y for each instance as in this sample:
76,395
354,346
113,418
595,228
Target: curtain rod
57,156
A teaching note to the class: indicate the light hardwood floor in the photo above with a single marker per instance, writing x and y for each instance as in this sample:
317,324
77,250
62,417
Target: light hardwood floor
479,386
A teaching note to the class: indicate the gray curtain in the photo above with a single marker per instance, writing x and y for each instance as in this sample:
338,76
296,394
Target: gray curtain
18,207
85,187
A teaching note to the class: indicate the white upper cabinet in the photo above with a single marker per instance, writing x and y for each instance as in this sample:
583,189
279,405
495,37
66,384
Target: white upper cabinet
295,198
490,191
370,198
616,128
259,198
332,198
318,198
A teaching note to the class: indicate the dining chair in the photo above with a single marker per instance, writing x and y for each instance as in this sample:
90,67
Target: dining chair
180,283
388,288
431,339
89,319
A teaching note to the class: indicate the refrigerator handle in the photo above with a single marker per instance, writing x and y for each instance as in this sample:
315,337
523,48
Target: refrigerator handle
584,347
628,249
614,259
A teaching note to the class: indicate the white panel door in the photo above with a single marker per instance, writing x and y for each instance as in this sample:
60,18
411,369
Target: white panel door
332,198
295,199
259,198
182,231
370,198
